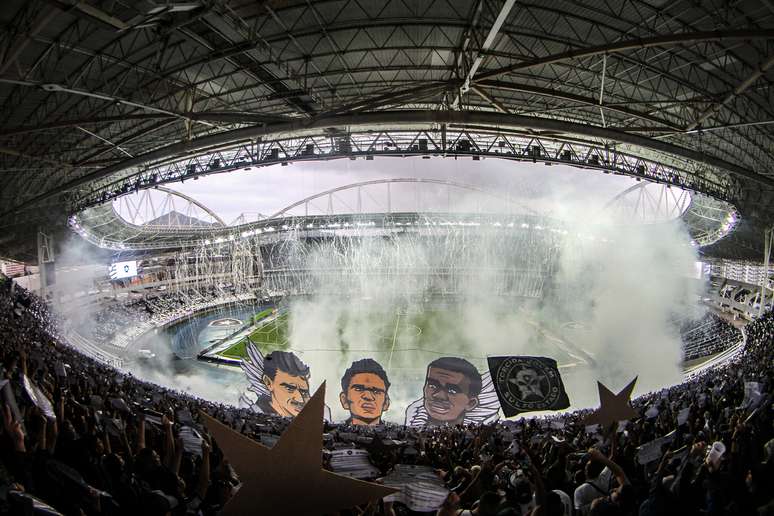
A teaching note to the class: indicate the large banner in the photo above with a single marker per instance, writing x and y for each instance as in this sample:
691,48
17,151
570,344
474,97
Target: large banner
528,384
453,391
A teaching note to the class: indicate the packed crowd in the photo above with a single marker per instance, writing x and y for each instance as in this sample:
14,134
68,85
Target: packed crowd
116,323
710,334
114,318
169,302
82,438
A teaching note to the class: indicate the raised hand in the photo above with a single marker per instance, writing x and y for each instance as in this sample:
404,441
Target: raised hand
14,429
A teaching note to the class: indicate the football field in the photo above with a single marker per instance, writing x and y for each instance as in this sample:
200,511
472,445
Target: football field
395,339
270,333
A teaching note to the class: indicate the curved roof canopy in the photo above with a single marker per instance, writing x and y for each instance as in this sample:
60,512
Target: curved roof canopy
389,205
94,92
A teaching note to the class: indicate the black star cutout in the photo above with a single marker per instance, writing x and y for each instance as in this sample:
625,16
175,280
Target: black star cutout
612,407
288,478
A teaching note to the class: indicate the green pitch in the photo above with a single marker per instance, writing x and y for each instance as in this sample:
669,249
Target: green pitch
407,335
255,319
271,333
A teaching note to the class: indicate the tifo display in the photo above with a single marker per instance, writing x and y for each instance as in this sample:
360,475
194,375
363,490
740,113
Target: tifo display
454,392
386,258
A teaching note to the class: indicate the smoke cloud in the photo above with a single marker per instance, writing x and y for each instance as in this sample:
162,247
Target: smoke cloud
80,267
603,300
599,296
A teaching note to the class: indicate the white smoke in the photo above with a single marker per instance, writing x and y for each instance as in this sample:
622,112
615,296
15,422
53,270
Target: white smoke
609,316
627,291
223,385
80,268
606,313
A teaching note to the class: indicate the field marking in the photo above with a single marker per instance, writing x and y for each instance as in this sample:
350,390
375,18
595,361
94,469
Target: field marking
394,339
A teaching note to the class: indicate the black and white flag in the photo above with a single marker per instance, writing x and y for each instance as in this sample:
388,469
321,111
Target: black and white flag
38,398
527,384
192,440
421,489
652,450
752,395
7,396
352,463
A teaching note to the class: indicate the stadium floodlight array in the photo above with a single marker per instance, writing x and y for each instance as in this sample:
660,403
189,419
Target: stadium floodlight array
587,153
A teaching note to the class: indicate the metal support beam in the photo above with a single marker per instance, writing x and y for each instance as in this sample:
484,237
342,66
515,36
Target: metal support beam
768,233
387,99
212,116
89,11
100,138
106,98
396,119
633,44
602,89
490,38
589,101
739,90
215,30
18,154
331,42
478,58
16,51
493,101
45,261
694,131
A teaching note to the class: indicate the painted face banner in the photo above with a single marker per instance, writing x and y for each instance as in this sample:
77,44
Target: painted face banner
413,363
453,392
279,383
364,392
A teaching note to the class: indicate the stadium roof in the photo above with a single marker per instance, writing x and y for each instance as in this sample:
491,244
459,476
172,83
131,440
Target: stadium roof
93,93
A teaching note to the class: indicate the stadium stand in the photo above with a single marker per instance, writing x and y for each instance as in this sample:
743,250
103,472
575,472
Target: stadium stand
109,444
108,105
116,324
710,335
